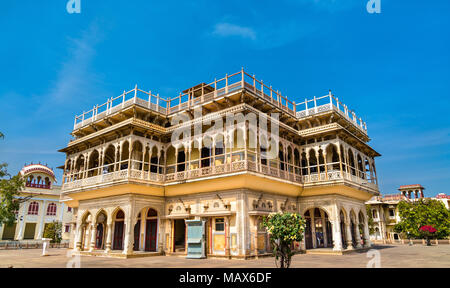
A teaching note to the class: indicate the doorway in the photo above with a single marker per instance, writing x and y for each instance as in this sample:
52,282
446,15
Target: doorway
99,237
9,231
30,231
179,236
151,230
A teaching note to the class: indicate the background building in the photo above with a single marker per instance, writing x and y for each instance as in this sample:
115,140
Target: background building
43,206
133,184
385,211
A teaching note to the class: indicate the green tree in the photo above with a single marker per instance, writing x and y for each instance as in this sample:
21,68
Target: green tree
284,229
424,212
10,188
53,231
370,222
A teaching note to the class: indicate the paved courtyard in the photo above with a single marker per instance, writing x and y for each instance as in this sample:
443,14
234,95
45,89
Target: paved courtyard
391,256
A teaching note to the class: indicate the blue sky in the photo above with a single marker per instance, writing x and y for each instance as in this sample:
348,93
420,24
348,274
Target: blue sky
392,68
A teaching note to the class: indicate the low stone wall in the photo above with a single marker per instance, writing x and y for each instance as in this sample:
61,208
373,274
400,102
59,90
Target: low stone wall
36,244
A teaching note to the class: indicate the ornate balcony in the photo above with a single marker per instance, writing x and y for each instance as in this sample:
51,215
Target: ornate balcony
292,174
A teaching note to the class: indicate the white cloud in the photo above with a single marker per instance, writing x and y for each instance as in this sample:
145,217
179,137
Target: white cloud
228,29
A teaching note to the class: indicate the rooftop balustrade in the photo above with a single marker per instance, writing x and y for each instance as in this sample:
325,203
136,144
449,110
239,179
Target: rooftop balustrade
205,93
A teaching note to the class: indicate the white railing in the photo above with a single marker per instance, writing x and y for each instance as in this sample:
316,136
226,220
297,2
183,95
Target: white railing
133,174
214,90
327,103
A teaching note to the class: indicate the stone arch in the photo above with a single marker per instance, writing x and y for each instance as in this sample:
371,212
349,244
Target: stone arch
351,160
332,157
360,166
101,220
353,226
318,230
313,161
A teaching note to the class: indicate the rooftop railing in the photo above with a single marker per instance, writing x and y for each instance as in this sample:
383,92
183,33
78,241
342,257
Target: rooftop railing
205,93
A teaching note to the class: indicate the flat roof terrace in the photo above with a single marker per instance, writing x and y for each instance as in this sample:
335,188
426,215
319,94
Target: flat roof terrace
206,93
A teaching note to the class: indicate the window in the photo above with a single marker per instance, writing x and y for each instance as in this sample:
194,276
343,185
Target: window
33,209
67,229
69,209
391,213
220,224
374,214
51,209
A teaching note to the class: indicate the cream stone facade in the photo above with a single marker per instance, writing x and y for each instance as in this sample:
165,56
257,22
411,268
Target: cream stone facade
133,180
42,206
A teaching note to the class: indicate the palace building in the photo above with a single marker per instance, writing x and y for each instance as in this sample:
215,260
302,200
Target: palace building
40,206
140,165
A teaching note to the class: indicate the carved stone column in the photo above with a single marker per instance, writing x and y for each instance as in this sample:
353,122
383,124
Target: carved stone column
349,236
109,230
366,236
227,236
129,237
358,235
93,236
337,237
78,238
313,228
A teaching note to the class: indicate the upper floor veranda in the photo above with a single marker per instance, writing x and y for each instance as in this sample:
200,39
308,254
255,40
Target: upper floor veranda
233,89
326,160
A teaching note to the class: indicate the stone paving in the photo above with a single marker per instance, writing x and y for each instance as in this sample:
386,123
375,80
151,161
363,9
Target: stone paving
391,256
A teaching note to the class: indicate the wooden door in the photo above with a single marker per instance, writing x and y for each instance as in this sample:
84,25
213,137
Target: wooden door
150,235
118,235
137,233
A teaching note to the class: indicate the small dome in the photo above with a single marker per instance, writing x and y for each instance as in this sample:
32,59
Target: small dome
37,168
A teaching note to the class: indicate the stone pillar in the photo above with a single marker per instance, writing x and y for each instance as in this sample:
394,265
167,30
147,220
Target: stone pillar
21,219
255,237
109,231
142,232
93,236
227,236
318,165
349,236
116,151
129,236
366,236
337,237
324,229
340,162
358,235
313,228
42,220
79,237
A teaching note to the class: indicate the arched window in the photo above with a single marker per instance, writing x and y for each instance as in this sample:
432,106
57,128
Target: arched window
152,213
33,209
51,209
